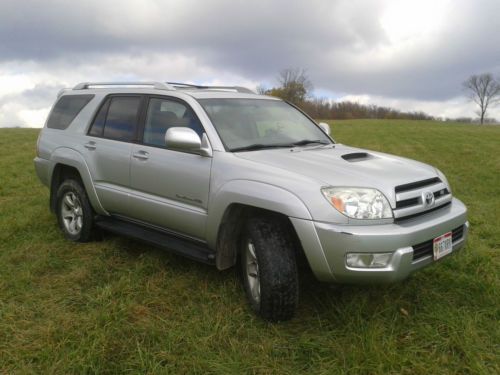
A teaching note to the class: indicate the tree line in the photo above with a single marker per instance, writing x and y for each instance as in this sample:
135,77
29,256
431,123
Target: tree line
325,109
296,87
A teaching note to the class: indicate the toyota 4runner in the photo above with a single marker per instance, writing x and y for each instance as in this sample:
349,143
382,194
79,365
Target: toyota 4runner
227,177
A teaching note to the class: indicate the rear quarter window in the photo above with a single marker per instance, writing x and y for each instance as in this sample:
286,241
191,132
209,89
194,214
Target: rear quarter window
66,109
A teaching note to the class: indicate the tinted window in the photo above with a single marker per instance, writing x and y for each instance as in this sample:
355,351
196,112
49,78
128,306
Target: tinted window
164,114
98,124
121,119
66,109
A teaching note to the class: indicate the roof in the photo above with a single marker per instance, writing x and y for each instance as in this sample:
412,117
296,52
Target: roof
196,91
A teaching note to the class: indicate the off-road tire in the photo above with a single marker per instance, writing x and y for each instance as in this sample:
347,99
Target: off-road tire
274,251
86,230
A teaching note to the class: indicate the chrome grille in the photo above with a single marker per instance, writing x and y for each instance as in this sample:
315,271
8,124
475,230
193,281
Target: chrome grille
410,200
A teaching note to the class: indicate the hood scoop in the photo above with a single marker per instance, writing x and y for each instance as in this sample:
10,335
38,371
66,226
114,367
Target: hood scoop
357,156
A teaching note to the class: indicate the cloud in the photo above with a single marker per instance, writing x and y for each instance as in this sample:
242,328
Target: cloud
418,52
25,99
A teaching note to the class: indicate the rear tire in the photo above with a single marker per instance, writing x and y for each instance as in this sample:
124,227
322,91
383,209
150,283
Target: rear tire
268,268
74,212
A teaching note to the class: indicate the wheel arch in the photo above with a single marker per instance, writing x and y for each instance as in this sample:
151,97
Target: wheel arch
68,163
237,201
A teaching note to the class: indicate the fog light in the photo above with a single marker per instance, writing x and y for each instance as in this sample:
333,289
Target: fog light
368,260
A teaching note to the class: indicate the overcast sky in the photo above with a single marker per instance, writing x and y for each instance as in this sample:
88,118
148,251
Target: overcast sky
409,54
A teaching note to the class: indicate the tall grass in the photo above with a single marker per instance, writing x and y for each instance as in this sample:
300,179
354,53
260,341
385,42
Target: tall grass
118,306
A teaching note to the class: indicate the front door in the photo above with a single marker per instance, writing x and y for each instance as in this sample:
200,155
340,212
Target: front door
169,188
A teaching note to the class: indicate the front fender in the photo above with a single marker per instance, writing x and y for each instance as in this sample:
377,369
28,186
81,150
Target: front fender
72,158
254,194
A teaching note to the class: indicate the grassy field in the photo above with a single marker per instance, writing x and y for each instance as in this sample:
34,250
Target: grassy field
117,306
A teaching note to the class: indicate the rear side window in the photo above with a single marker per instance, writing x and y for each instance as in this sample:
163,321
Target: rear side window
117,119
66,109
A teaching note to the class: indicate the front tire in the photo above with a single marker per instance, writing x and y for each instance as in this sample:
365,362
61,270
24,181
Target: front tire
268,268
74,212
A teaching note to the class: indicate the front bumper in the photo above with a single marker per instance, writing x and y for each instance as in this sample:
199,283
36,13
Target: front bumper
326,245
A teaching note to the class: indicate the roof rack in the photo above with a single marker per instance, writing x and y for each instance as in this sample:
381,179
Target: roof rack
231,88
202,87
185,85
161,86
155,85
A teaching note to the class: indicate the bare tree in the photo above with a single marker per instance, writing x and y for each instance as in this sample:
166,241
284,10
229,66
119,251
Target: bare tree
484,90
295,85
292,76
261,90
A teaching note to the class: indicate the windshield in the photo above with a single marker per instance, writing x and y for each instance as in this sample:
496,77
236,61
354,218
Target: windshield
252,124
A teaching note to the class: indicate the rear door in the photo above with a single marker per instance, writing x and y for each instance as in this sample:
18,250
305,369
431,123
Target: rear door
108,147
169,188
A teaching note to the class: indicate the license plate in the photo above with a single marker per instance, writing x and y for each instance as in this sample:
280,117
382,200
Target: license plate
442,245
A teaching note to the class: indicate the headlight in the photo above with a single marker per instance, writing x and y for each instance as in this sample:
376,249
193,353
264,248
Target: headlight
358,203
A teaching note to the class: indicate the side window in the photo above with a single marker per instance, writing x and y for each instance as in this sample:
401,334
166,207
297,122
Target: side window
117,118
121,121
98,125
66,109
164,114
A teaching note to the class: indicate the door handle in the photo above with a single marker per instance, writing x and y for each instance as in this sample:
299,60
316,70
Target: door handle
90,145
141,155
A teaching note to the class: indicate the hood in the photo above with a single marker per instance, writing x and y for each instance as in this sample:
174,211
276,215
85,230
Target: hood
345,166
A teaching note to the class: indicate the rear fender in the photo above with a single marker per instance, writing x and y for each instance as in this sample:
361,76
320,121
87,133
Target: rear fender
72,158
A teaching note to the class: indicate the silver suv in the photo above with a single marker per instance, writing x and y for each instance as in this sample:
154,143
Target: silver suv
227,177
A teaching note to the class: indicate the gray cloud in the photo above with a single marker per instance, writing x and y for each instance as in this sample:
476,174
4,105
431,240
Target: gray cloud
257,38
343,44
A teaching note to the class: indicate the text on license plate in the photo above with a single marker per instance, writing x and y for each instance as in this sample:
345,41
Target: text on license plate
442,245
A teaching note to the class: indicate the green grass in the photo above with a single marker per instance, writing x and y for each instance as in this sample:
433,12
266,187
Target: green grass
120,307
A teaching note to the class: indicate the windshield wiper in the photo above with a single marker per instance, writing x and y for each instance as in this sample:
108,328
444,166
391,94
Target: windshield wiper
260,146
310,141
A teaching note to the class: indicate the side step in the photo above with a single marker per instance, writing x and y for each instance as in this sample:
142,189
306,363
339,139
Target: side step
177,245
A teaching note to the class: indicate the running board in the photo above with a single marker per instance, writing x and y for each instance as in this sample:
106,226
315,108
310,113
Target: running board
176,245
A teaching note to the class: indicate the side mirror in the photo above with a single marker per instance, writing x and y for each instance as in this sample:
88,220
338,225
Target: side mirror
181,138
186,139
325,127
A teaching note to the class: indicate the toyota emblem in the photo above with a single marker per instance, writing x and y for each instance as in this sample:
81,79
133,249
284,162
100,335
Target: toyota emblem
428,198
